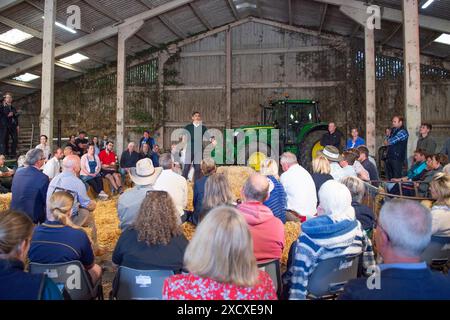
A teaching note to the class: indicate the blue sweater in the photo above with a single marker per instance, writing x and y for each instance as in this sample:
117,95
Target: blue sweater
322,238
277,201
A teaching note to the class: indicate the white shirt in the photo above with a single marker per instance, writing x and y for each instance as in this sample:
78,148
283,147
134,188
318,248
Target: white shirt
46,150
52,168
336,170
300,190
175,185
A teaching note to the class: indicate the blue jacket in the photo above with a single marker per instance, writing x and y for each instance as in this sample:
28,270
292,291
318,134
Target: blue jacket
359,142
19,285
29,191
199,191
401,284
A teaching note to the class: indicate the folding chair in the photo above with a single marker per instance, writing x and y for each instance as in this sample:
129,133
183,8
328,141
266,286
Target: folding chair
331,275
273,269
71,277
133,284
438,251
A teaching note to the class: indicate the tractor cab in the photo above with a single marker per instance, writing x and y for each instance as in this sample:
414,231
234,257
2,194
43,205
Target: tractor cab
291,117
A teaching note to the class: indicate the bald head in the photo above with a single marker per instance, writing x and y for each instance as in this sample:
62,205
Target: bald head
71,163
256,188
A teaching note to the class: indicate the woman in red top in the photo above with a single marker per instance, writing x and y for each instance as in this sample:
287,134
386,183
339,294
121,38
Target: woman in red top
221,263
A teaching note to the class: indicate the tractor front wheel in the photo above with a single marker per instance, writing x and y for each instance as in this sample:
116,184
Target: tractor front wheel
309,147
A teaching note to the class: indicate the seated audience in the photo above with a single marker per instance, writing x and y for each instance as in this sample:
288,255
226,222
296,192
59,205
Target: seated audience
68,151
363,213
155,155
208,167
43,145
355,141
104,142
53,166
221,263
109,171
334,158
82,143
348,170
300,188
435,165
367,164
402,234
267,230
29,187
143,177
217,193
172,183
16,230
361,172
277,201
145,152
59,240
335,232
90,172
21,162
83,207
420,164
73,145
440,212
96,145
154,241
128,159
6,174
321,172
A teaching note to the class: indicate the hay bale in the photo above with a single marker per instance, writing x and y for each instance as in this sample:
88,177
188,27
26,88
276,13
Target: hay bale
190,201
291,233
5,201
188,230
107,222
237,176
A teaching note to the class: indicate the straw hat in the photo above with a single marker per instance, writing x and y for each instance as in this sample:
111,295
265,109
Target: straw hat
145,173
331,153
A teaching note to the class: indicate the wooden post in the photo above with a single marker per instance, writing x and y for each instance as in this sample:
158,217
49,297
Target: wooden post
123,34
369,58
48,71
162,59
413,112
228,77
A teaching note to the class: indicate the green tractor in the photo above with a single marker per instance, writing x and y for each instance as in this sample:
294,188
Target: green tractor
300,130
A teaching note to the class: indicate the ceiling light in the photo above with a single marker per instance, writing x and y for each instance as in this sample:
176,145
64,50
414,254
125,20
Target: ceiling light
63,26
245,5
14,36
426,4
26,77
443,38
75,58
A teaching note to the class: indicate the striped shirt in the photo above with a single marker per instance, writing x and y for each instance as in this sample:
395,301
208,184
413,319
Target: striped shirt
277,200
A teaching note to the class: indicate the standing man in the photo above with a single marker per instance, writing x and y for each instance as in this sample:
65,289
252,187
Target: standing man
194,147
12,126
396,144
426,143
332,137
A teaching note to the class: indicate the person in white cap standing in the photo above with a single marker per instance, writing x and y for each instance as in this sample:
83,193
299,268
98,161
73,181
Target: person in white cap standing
144,177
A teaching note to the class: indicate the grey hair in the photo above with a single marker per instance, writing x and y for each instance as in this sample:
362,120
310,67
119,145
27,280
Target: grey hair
33,156
131,143
165,161
408,226
288,158
256,188
21,161
446,168
355,186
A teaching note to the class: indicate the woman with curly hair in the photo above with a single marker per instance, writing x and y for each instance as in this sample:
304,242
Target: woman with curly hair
155,241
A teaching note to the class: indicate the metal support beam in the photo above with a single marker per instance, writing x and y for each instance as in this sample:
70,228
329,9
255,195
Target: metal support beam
48,70
6,4
428,42
125,32
233,9
228,77
411,60
173,27
370,89
393,33
322,17
21,84
91,39
200,16
259,9
290,12
355,30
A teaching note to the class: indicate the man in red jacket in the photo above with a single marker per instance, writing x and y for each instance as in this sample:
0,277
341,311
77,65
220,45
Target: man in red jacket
267,230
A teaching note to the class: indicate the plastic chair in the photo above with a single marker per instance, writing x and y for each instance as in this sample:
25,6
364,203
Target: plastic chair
273,269
438,251
71,277
331,275
133,284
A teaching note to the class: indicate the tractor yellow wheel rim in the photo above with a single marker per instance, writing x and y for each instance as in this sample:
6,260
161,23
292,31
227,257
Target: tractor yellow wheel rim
316,148
255,160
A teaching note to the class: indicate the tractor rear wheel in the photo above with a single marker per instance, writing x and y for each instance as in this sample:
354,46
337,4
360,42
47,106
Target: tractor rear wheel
309,147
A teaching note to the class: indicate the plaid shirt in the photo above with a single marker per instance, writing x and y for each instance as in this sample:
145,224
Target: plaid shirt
397,136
